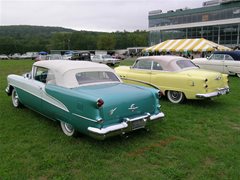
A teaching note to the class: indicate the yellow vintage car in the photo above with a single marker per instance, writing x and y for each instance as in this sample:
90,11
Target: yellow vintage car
176,77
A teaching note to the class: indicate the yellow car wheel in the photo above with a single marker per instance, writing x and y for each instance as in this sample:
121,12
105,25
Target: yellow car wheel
175,96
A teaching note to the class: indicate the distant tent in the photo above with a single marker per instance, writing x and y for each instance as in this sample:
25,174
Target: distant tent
187,45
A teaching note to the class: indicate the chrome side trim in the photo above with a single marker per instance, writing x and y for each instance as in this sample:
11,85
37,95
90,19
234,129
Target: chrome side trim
141,82
34,88
51,99
89,119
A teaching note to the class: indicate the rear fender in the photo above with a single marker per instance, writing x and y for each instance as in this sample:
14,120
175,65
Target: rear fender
80,106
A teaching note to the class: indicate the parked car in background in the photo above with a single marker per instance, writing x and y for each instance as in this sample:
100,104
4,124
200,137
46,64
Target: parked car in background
54,57
16,56
4,57
177,77
227,62
82,56
41,57
105,59
119,56
67,56
27,55
85,97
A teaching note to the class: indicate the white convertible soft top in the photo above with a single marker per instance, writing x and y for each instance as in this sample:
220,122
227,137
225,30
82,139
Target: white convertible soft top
65,65
63,71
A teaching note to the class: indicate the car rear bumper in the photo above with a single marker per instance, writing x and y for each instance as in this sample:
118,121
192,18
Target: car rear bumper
129,124
220,91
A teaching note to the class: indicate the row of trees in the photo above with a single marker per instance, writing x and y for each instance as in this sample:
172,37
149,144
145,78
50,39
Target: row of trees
21,39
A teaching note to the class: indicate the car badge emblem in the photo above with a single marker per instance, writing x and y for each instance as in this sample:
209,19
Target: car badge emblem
133,107
112,111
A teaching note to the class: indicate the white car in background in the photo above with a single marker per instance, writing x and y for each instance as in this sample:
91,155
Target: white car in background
54,57
3,56
105,59
227,62
16,56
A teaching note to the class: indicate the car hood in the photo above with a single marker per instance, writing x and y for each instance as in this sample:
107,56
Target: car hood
119,98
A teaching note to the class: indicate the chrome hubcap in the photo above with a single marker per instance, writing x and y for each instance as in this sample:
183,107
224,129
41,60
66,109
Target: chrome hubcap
68,127
175,95
15,98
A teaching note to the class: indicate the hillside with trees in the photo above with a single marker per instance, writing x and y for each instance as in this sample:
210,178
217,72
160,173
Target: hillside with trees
21,39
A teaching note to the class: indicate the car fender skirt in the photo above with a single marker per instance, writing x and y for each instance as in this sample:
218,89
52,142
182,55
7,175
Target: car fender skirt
128,124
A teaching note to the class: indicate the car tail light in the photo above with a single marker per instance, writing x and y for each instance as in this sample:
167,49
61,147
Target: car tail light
100,102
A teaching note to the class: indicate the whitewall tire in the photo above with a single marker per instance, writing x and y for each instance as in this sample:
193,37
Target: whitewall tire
175,96
15,99
68,129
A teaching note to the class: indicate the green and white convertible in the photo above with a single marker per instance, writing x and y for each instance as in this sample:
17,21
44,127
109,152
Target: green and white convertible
85,97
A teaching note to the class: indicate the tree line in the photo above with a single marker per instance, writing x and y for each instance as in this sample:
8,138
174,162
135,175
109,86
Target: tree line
21,39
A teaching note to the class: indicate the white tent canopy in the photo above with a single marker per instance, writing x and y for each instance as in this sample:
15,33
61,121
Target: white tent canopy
183,45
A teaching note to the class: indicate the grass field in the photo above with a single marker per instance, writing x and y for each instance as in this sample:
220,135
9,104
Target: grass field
197,140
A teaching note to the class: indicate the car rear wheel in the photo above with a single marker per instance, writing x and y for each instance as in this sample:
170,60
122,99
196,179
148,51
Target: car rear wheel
175,96
238,74
15,100
68,129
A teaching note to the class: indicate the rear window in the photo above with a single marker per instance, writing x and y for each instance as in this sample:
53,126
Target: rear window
141,64
185,64
95,77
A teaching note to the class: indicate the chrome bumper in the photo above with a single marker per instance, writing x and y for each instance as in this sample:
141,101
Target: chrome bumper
129,124
7,90
220,91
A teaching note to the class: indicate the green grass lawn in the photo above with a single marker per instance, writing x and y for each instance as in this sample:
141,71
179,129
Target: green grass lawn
197,140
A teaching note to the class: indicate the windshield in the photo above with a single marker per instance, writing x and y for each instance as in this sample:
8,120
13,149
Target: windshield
95,77
185,64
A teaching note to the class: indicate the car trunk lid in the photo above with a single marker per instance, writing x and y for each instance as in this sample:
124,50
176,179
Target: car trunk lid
121,100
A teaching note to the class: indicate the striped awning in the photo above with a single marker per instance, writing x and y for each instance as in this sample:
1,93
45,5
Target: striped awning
183,45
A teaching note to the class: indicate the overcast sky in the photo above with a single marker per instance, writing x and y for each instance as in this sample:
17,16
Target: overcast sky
93,15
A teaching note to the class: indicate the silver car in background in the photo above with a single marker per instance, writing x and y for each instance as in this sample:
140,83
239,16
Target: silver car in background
105,59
